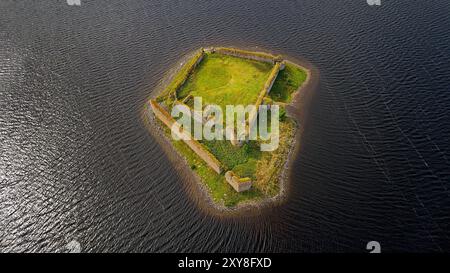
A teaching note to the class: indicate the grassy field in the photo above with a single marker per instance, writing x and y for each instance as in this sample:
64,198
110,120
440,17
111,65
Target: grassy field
226,80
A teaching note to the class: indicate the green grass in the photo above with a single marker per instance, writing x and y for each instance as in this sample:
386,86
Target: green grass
287,82
247,53
226,80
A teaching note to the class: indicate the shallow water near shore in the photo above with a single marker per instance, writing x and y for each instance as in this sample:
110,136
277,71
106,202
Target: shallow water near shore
78,163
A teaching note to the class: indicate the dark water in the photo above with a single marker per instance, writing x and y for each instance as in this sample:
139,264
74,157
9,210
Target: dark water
77,162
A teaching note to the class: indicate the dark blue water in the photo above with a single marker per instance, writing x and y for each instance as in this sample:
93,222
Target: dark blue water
78,163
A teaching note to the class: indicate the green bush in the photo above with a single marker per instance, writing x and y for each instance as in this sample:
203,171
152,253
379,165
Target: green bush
287,82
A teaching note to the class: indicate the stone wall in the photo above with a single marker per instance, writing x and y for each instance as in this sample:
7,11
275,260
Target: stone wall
258,56
238,184
266,90
195,146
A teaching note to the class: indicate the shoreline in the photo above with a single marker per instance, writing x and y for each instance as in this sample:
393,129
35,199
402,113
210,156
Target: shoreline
199,193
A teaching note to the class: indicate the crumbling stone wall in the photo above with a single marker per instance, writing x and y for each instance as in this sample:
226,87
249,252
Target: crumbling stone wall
195,146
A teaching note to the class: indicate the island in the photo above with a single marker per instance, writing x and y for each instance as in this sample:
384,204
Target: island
234,171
